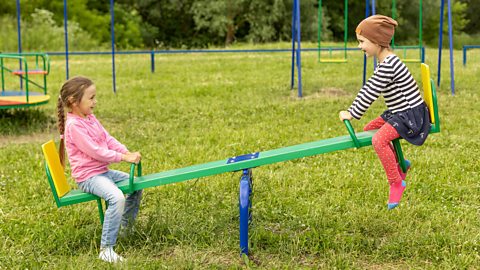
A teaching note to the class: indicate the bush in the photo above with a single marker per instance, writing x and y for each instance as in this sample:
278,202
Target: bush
41,33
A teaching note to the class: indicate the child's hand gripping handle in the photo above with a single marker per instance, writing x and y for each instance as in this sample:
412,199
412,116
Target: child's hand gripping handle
132,174
352,133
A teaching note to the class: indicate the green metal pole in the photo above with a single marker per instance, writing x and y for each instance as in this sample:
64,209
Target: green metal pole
345,29
394,16
26,77
44,76
420,26
3,74
399,152
351,131
320,18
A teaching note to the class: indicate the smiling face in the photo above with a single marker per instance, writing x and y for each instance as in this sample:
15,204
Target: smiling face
368,47
87,103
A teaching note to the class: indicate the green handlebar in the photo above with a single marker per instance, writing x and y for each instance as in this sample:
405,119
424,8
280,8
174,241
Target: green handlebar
132,174
352,133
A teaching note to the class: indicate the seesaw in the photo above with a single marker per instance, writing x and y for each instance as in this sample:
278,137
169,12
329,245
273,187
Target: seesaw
64,195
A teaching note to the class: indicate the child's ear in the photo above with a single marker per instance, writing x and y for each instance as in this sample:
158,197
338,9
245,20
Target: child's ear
71,100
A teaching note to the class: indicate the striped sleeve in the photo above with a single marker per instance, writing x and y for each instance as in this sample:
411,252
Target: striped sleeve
371,90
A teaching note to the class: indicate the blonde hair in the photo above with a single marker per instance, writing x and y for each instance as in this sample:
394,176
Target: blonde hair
71,92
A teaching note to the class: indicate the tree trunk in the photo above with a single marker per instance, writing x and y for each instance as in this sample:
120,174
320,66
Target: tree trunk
230,37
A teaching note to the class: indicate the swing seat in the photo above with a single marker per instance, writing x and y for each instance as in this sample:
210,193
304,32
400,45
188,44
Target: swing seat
411,60
333,60
30,72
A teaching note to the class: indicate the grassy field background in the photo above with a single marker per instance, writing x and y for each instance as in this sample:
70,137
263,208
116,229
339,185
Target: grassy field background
327,211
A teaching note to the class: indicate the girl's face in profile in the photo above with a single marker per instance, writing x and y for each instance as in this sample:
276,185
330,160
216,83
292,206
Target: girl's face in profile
87,103
368,47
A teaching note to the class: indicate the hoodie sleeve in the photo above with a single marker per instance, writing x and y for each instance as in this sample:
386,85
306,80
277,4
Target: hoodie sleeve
85,143
112,143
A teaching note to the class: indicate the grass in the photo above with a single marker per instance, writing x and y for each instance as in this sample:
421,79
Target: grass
327,211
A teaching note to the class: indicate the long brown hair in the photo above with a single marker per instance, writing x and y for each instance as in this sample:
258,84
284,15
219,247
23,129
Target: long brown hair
70,93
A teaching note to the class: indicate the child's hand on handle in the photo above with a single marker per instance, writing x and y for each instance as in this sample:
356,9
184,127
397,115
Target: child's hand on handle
132,157
345,115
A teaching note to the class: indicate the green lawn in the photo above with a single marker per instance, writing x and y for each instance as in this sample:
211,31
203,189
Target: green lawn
327,211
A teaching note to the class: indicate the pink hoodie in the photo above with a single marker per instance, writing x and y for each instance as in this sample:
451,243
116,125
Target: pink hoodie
89,147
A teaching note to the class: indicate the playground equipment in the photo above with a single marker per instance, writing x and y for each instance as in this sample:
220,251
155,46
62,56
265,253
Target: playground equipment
468,47
440,42
65,22
64,195
345,37
421,51
21,98
296,48
369,10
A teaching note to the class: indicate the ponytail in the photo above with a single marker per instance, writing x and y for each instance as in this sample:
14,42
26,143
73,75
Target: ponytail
61,130
70,93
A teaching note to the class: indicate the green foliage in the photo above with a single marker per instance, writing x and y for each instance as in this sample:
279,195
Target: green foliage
184,24
91,17
431,24
169,24
7,7
473,7
266,21
128,32
41,33
465,39
322,212
8,32
253,21
220,18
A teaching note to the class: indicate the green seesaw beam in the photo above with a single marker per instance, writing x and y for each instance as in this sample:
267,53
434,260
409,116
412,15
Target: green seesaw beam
264,158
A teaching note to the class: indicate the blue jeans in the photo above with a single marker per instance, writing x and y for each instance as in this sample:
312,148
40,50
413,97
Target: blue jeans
120,211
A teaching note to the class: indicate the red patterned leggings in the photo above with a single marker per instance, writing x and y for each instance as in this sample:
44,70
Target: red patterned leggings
382,143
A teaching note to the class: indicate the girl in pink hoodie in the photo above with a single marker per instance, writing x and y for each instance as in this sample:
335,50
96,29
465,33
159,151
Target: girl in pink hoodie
90,150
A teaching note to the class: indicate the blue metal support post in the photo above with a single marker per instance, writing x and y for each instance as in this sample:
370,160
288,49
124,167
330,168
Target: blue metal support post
450,38
112,32
465,49
296,51
152,60
65,26
245,208
440,44
367,13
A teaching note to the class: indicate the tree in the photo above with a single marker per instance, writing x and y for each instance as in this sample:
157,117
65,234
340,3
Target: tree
219,17
473,8
168,23
431,9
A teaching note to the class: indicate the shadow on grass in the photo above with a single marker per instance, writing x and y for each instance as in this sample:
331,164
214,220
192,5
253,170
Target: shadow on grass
24,121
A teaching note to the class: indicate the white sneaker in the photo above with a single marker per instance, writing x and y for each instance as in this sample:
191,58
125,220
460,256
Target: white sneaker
107,254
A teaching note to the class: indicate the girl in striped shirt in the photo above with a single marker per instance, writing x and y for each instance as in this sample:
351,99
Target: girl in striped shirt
407,115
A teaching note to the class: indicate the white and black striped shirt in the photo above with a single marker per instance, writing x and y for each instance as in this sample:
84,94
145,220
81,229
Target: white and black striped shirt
392,80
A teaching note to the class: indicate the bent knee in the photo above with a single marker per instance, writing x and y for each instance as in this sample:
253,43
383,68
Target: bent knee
379,141
116,197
